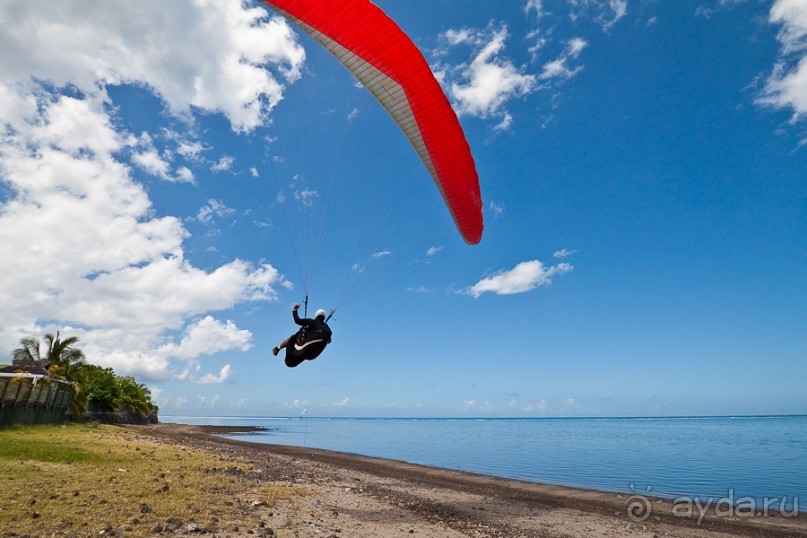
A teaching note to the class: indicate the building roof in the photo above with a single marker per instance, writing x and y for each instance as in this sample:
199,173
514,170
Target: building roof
30,367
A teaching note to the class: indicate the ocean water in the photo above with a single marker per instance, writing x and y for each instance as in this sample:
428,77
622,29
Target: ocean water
708,458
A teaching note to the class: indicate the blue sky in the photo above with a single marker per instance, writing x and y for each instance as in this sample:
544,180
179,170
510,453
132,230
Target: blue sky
642,166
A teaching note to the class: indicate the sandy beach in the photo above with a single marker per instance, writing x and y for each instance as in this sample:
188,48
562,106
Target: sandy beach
168,479
361,496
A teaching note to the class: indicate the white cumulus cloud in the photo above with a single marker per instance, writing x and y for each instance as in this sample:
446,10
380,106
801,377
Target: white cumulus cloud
563,253
483,86
152,163
224,164
559,68
201,53
212,208
221,377
207,337
786,87
523,277
606,14
90,251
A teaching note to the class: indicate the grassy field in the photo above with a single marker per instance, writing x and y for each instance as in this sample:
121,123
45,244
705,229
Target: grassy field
84,480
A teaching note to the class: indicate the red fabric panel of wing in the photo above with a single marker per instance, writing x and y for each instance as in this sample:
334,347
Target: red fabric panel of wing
366,31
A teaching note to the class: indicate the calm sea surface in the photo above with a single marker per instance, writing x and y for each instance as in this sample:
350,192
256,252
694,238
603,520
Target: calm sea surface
718,458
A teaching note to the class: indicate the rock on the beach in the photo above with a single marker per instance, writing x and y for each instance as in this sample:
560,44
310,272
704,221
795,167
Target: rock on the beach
173,523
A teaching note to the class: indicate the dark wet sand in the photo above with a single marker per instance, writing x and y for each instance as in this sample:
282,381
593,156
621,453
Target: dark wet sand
377,497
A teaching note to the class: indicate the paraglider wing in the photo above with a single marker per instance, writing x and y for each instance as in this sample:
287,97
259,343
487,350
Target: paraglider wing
386,61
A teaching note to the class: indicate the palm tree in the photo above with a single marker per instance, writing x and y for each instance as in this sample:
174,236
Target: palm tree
61,356
60,353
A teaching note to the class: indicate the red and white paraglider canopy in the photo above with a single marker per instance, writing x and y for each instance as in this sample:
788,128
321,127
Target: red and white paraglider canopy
386,61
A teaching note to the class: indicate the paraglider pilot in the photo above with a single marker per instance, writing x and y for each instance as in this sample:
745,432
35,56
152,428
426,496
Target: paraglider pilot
307,343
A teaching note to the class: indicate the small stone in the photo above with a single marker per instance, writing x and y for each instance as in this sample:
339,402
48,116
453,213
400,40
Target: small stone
145,509
193,527
173,523
35,515
158,528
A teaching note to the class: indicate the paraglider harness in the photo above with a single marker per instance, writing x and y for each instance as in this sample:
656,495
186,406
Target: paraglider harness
310,340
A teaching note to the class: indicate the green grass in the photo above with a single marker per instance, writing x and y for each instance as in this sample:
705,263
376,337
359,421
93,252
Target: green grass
53,444
82,479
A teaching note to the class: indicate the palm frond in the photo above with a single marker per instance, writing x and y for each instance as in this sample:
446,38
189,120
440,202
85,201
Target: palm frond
29,350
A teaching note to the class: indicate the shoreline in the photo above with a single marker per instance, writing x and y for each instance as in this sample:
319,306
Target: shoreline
487,505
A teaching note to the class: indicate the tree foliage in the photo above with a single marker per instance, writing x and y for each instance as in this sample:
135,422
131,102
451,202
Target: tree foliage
104,390
94,387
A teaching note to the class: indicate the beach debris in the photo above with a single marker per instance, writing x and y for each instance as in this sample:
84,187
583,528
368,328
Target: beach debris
193,527
256,504
121,470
